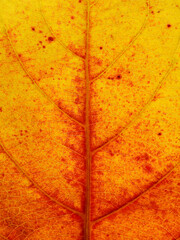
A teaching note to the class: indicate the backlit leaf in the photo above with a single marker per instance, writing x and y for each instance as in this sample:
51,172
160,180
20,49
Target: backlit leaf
89,120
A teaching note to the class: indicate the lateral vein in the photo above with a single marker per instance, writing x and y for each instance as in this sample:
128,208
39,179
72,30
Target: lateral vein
34,82
36,184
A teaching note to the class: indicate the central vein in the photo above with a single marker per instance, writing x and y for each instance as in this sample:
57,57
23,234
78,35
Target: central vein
87,230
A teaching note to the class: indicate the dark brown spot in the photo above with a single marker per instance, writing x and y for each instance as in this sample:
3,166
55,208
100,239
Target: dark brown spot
119,76
33,28
159,134
50,39
101,48
168,25
112,78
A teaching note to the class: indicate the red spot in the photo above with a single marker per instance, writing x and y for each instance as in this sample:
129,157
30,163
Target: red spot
154,205
50,39
168,25
111,153
33,28
77,79
119,76
63,159
44,46
80,1
101,48
0,109
77,100
110,78
148,168
143,157
72,17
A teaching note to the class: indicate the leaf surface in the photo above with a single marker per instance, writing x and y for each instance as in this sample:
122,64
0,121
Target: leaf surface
89,120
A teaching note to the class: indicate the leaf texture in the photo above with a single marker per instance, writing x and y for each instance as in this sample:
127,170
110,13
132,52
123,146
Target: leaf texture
89,120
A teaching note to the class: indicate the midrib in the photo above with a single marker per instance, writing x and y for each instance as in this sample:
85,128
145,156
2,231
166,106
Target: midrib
87,227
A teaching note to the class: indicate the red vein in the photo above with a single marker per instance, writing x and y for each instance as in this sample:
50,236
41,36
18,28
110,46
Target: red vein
37,185
94,3
34,82
138,115
54,35
136,198
126,48
87,230
72,150
3,237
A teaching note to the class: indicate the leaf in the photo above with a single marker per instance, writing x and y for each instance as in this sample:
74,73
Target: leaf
89,120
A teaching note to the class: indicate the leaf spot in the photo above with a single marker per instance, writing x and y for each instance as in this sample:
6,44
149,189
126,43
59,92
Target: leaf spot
50,39
148,168
119,76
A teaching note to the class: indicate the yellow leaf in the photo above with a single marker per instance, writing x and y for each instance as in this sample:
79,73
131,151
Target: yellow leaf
89,120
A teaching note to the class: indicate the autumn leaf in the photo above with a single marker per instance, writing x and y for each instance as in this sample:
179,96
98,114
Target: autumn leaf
89,120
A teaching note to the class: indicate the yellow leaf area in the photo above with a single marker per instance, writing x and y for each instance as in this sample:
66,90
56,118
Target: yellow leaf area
89,120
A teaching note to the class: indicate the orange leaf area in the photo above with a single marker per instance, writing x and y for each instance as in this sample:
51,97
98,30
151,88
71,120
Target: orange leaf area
89,120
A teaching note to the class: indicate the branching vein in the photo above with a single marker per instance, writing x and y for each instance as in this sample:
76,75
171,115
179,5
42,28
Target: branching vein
54,35
138,115
34,82
126,48
36,184
3,237
136,198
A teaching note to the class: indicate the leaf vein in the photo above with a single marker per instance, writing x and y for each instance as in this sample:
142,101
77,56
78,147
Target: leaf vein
54,35
136,198
126,48
138,115
36,184
35,83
